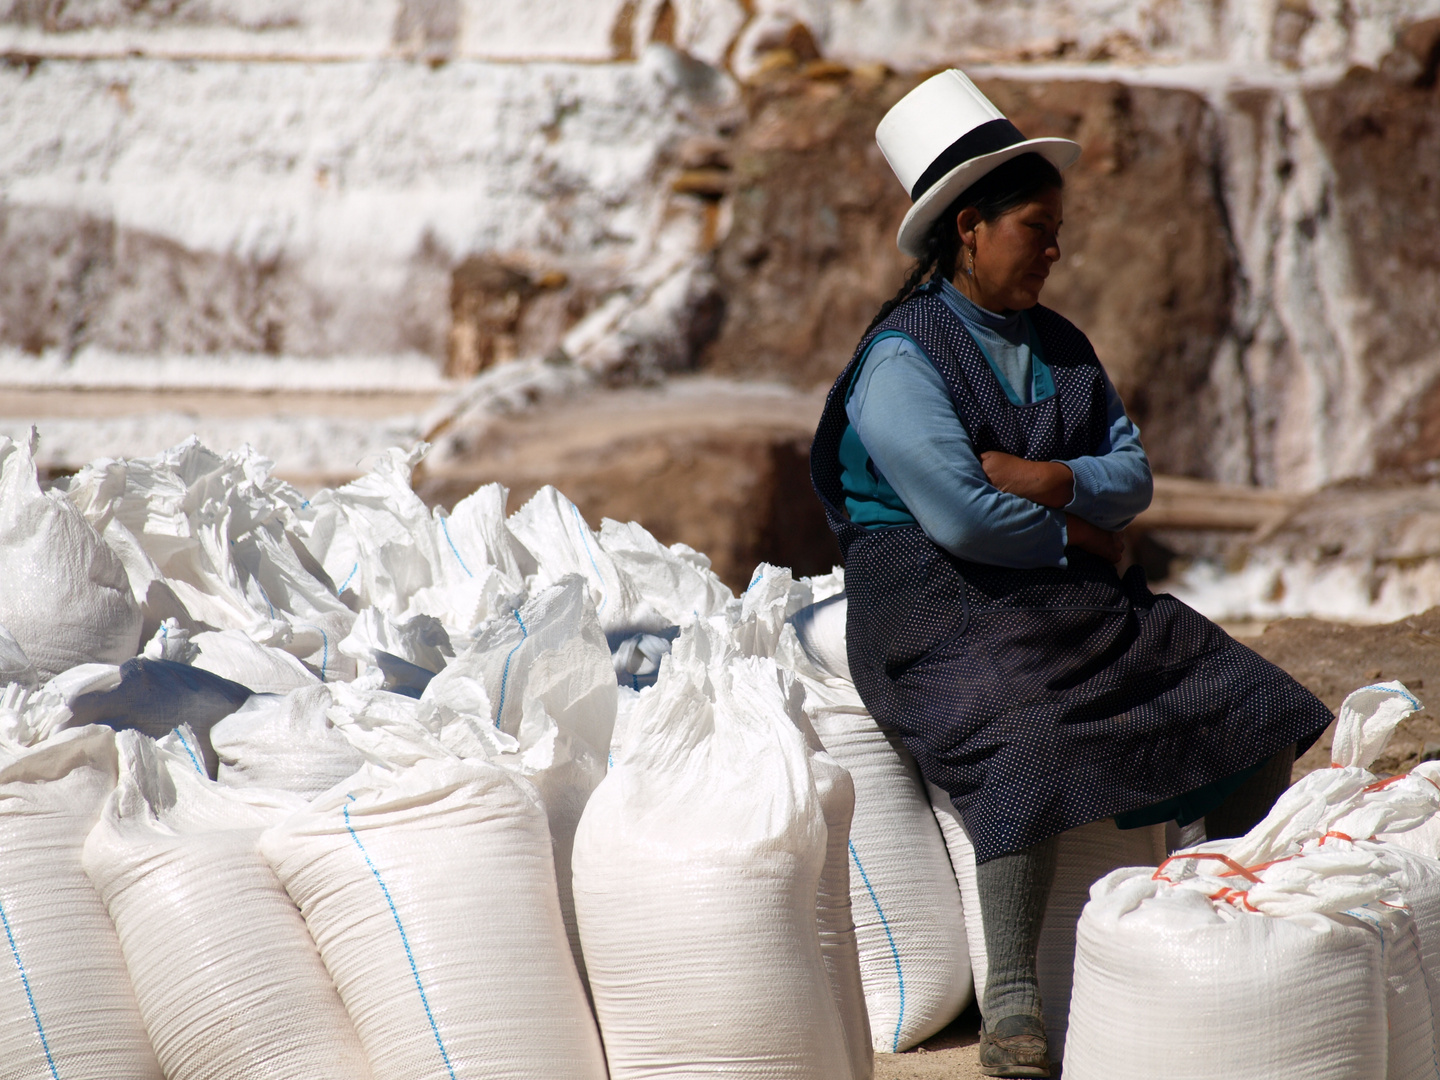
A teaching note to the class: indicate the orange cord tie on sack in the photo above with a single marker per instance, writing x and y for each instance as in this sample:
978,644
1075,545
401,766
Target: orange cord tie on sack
1227,894
1336,836
1381,785
1235,867
1235,896
1263,866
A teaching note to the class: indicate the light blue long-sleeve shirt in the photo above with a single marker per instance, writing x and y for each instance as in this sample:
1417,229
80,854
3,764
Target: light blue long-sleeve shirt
902,414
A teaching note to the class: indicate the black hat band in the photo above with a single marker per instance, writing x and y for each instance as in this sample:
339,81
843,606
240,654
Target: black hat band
978,141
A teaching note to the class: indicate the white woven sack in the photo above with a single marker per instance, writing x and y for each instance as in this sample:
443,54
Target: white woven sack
1421,886
370,535
383,547
227,978
1227,931
1170,982
66,1004
15,666
1424,839
675,581
909,921
420,641
838,940
431,894
64,596
218,529
1340,806
553,642
28,717
697,869
821,630
480,567
1419,1048
758,618
636,584
962,862
1412,939
1084,855
285,742
543,675
1421,892
232,655
835,914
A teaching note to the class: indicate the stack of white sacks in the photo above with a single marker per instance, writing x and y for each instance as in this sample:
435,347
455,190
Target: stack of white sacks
1308,948
347,787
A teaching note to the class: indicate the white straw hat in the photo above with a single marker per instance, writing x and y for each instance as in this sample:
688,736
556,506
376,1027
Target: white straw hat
942,137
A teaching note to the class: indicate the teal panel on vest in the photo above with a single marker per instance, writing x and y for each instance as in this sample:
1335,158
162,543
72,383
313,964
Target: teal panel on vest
869,498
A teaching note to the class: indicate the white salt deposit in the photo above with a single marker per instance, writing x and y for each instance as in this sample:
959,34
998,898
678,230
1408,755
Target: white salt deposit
1343,591
906,34
356,160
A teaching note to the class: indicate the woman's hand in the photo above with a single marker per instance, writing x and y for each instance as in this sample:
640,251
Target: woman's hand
1048,483
1110,546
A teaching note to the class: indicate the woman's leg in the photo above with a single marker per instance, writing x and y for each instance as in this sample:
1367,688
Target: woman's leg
1013,890
1251,801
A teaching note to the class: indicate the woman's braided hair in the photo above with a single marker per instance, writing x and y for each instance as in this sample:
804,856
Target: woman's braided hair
1004,188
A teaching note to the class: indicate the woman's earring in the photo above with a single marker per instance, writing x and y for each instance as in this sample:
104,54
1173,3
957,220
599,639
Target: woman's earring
970,270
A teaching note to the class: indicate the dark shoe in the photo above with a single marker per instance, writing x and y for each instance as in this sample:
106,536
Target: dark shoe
1016,1047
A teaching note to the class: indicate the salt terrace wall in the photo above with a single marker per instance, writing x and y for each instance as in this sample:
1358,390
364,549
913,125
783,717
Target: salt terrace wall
662,186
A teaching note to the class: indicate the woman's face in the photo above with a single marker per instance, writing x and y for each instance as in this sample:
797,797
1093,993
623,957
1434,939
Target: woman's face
1004,263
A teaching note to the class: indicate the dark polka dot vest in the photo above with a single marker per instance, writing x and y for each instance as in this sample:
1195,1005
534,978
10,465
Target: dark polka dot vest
1040,699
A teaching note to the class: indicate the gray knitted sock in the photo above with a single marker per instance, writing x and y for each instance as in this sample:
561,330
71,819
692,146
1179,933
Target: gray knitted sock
1013,890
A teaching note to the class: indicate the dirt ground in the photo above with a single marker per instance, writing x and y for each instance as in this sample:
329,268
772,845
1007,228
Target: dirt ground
952,1054
1332,659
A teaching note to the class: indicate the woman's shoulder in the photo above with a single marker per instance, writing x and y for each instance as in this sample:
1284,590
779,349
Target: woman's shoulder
894,357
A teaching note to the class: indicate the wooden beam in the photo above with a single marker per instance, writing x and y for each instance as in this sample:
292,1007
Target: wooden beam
1183,503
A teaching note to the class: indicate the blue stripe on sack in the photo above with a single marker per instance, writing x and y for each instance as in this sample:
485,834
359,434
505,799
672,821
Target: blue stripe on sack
899,974
404,940
181,736
348,578
324,648
445,525
758,575
25,981
585,539
1391,690
505,675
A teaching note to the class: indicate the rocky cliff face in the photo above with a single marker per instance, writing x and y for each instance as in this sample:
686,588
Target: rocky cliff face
1148,271
650,186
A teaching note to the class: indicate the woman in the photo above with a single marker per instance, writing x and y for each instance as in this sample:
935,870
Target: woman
976,465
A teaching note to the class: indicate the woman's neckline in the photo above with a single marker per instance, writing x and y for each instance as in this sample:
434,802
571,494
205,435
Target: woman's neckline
972,311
